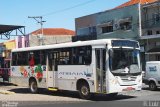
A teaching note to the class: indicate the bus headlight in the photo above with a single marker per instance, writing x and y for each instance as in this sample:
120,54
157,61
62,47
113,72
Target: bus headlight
114,81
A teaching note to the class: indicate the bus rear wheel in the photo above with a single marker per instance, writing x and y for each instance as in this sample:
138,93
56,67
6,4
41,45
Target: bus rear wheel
33,86
84,91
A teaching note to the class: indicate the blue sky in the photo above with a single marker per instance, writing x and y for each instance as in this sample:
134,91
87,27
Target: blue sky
16,12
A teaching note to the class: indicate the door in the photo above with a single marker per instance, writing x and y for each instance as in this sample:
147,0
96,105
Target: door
52,74
101,69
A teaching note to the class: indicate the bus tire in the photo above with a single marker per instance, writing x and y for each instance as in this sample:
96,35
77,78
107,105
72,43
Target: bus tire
33,86
152,86
84,91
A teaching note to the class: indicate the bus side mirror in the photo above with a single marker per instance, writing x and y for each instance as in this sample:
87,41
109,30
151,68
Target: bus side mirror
111,53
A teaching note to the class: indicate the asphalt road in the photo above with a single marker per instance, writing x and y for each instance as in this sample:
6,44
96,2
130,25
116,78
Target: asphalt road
45,98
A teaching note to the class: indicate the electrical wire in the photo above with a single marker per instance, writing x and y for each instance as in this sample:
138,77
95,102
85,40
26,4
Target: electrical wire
69,8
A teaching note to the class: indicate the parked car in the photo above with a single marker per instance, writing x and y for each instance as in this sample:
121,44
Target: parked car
152,74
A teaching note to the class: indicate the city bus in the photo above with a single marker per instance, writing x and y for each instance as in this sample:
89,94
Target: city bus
105,66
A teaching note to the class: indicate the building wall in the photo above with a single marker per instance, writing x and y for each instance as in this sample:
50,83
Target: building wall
35,40
151,19
151,29
22,41
26,41
117,16
10,45
86,25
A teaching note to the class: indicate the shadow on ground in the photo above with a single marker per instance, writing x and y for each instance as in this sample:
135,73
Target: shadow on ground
71,94
147,88
6,84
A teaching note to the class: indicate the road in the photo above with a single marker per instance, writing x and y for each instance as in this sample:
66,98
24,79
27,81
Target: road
24,98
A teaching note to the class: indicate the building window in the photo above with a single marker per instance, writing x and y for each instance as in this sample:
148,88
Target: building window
125,25
149,32
157,57
107,29
19,45
92,30
156,18
87,31
157,32
26,43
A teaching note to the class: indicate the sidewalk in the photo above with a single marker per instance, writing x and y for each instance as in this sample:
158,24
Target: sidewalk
6,92
3,89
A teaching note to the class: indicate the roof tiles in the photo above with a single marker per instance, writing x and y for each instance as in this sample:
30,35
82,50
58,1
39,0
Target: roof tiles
54,31
132,2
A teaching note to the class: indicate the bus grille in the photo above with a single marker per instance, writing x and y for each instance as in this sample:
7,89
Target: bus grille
126,79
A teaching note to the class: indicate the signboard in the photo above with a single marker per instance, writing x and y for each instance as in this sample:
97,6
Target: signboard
124,43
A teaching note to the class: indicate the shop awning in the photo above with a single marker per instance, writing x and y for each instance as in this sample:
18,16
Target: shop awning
7,28
7,31
127,19
108,23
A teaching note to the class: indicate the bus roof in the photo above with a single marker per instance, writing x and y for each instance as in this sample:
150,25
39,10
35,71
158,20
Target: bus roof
69,44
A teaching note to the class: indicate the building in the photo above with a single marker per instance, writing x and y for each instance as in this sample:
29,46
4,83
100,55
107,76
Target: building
2,54
132,2
22,41
150,39
9,45
120,22
50,36
135,19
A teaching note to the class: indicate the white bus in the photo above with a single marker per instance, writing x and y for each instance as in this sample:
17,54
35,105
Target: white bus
97,66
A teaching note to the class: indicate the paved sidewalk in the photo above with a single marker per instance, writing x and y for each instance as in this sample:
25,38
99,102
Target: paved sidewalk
6,92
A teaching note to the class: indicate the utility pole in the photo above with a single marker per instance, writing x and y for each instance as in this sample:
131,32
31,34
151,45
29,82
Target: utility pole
39,20
140,19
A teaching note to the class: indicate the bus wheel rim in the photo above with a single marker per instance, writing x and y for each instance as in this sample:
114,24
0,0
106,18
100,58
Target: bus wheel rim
33,86
84,90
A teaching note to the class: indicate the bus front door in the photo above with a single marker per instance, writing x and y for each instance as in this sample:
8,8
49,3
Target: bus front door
100,70
52,70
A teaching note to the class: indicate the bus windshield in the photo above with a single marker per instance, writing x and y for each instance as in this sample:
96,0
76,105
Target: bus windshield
124,61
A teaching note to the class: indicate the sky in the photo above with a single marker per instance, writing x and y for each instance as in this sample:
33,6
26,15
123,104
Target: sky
56,13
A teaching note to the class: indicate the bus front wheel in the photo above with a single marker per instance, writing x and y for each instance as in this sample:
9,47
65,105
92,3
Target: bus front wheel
33,86
84,91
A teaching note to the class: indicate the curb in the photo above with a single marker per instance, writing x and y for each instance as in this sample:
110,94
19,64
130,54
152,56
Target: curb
6,92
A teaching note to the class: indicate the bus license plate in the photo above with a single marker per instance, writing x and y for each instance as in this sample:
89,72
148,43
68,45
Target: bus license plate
128,89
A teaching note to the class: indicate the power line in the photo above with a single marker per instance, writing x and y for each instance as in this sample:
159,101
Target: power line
40,21
69,8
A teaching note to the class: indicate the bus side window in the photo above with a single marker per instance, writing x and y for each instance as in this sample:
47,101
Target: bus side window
42,57
87,56
65,56
31,59
50,57
14,59
20,58
81,55
75,56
